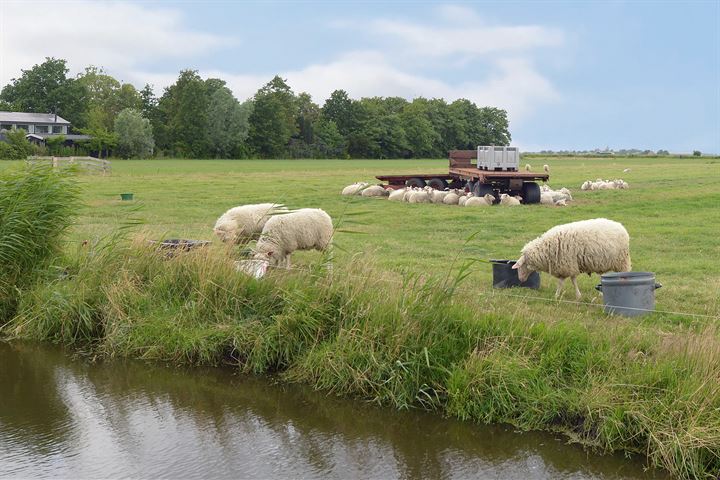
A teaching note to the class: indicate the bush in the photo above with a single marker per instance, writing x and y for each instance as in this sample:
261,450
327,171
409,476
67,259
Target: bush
37,206
15,146
697,153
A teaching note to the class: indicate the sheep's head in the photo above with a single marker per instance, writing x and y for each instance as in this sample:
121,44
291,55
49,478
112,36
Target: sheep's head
522,269
224,234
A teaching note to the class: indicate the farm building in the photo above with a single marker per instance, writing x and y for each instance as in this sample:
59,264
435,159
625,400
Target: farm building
39,126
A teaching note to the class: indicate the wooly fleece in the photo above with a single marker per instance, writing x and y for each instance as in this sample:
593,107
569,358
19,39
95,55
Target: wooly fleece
246,221
354,189
304,229
397,195
588,246
374,191
477,202
451,199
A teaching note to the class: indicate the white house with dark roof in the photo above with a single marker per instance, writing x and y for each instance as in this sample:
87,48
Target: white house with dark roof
39,126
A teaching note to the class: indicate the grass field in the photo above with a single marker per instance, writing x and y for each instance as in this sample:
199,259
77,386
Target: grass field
648,385
672,212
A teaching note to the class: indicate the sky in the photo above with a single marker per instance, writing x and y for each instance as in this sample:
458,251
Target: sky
571,74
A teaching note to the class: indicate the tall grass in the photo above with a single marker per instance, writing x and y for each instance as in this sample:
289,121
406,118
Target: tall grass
413,345
37,205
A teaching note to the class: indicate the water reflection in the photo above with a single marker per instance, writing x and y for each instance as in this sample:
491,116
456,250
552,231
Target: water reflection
64,418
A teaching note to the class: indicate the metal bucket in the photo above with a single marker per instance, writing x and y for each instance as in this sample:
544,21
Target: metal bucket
505,277
628,293
126,196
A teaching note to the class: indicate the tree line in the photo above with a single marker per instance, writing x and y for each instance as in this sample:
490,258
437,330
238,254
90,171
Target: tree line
201,118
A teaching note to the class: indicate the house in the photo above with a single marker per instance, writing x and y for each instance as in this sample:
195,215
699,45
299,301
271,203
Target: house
39,126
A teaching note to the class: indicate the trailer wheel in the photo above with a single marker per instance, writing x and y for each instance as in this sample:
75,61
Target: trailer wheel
415,182
437,183
482,189
530,192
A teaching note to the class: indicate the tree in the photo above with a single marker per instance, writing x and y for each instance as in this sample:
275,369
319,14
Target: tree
308,115
228,124
180,124
328,140
106,97
134,134
45,88
15,146
339,109
272,121
697,153
422,137
148,101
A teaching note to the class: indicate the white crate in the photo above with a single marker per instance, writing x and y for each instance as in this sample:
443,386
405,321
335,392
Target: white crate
498,158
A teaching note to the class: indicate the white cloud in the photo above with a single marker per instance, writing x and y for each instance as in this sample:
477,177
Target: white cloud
406,59
118,36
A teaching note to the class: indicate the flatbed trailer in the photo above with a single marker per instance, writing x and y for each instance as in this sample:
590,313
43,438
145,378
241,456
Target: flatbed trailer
463,174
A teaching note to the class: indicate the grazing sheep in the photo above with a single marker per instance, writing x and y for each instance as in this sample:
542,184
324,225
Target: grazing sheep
252,267
374,191
304,229
245,222
508,201
546,168
451,198
354,189
565,251
397,195
527,167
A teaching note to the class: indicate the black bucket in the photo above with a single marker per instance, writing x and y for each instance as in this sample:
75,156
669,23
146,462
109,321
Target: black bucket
628,293
505,277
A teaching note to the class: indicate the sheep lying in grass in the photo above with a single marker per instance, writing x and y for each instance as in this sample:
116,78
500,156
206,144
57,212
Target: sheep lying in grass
464,198
246,221
509,201
601,184
304,229
451,198
565,251
419,196
439,195
397,195
485,201
374,191
354,189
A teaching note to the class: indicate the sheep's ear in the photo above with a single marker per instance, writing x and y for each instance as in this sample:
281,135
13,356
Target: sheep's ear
519,263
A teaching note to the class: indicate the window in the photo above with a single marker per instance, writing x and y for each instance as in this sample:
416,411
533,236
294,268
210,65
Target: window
57,129
41,128
24,127
6,126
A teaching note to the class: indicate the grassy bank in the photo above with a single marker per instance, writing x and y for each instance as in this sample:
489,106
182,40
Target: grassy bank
392,325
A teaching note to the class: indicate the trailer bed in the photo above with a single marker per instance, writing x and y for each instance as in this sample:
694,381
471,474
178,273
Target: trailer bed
487,176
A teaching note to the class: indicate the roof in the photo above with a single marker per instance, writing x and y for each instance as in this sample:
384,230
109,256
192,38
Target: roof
45,136
23,117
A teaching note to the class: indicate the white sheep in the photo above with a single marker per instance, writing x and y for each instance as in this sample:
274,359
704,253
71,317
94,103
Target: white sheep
565,251
527,167
438,196
304,229
546,167
464,198
420,196
354,189
477,202
374,191
561,203
397,195
451,198
509,201
586,185
546,198
246,221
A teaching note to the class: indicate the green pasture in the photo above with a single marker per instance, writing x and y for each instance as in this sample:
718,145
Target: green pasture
672,212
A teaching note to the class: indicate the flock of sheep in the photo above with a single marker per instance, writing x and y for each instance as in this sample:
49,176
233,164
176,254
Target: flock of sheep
279,233
601,184
454,196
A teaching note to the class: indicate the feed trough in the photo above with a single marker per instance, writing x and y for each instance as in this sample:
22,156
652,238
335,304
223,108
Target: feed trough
173,245
505,277
628,293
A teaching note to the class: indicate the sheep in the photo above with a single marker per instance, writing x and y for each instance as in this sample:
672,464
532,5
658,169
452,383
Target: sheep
509,201
477,202
451,198
397,195
438,196
304,229
420,196
546,168
527,167
561,203
374,191
565,251
627,170
464,198
354,189
245,222
546,198
586,185
545,188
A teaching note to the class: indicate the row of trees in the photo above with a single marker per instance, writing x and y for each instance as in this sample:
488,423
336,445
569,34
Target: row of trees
200,118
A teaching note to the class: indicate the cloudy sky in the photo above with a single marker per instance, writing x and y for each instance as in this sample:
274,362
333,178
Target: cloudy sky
582,75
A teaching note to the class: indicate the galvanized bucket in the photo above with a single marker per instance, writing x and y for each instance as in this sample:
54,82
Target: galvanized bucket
505,277
628,293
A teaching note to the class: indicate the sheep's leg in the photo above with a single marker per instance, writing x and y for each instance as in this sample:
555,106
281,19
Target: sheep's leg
558,292
577,290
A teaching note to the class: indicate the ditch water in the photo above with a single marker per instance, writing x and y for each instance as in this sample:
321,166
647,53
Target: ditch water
64,417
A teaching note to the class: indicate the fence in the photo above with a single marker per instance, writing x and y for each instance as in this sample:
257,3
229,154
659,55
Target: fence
89,164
